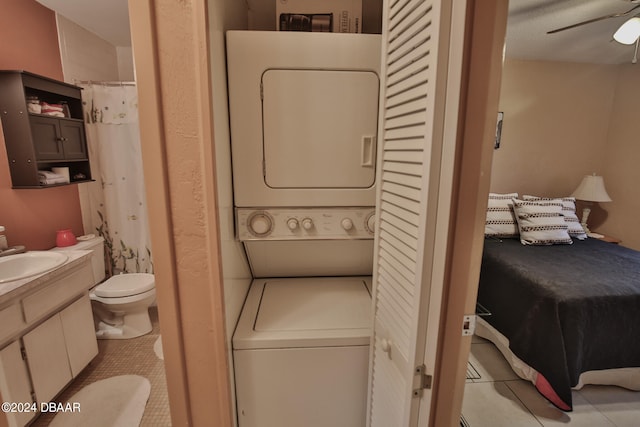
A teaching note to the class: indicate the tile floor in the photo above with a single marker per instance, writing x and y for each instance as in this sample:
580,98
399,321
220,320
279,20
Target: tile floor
499,398
119,357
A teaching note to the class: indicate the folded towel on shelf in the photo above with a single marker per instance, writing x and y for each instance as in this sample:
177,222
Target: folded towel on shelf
52,109
48,178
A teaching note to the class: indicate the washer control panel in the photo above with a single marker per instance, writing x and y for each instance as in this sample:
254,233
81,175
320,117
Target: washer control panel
305,223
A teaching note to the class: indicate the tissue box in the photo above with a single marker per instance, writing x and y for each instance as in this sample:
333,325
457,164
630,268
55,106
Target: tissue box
337,16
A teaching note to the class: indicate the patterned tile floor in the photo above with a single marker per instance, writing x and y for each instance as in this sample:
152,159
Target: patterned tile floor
120,357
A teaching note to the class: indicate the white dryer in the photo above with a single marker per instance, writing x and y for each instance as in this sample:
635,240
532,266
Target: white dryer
304,117
301,352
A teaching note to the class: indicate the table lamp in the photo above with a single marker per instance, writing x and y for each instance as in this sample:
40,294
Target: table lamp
590,190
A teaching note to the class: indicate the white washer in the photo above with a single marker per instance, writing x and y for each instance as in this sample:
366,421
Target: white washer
301,351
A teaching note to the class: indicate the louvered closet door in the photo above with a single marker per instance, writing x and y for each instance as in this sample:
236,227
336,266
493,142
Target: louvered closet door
410,183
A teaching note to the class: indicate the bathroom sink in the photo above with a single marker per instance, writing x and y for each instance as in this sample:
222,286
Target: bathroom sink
28,264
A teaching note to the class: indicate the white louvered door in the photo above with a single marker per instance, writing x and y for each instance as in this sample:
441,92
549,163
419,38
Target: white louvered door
416,164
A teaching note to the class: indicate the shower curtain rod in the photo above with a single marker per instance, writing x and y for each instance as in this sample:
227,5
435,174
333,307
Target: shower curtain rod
113,83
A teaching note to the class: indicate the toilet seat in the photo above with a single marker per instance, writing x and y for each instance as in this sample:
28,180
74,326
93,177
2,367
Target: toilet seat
125,285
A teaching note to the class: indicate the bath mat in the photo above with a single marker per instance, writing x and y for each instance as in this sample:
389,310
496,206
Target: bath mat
157,347
116,401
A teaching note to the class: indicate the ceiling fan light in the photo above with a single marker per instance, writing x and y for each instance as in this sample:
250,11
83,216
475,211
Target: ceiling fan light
628,32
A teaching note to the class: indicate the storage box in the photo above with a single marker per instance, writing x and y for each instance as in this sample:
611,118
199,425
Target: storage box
337,16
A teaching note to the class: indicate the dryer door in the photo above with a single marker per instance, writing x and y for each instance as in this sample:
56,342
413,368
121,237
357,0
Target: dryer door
319,128
304,118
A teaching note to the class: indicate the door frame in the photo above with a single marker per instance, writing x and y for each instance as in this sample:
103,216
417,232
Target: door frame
171,55
485,30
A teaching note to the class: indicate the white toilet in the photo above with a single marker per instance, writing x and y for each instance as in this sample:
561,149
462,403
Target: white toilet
121,303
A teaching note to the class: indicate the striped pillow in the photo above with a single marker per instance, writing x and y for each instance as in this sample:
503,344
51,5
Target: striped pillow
541,222
501,221
569,212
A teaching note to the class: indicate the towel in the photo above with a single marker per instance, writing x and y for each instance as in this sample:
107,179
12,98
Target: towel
52,109
48,178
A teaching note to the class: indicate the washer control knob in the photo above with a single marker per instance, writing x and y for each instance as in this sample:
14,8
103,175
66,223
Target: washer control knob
307,224
260,224
292,223
347,224
370,224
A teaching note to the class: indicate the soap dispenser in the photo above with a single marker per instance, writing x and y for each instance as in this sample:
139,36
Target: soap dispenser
3,240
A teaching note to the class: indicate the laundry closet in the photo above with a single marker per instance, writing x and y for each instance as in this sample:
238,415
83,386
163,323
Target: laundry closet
325,180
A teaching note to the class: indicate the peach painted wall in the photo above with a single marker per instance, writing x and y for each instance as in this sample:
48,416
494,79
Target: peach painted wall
621,171
566,120
30,42
556,121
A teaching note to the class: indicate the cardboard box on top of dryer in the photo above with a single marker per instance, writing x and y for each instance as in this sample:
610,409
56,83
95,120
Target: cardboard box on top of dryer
337,16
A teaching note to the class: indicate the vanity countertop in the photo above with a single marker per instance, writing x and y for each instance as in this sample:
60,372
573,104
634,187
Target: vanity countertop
16,288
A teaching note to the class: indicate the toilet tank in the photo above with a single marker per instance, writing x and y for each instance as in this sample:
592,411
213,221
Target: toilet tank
95,244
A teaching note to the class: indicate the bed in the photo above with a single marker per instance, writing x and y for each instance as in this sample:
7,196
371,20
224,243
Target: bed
563,315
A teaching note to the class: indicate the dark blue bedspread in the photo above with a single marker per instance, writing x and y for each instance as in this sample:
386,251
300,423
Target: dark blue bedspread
565,309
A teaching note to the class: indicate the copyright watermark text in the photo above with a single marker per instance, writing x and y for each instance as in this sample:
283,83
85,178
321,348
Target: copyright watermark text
41,407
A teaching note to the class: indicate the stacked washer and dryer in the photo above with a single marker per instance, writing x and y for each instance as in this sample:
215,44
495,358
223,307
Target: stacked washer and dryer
304,123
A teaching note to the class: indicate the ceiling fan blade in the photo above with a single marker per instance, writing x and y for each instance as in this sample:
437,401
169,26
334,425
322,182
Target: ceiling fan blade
601,18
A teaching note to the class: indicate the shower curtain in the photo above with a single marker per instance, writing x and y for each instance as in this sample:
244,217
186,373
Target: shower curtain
114,206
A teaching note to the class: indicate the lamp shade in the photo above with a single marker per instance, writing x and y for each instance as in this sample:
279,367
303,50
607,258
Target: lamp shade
591,189
628,32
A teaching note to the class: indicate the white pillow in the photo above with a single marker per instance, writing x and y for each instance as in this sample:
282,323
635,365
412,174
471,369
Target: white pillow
569,212
541,222
501,221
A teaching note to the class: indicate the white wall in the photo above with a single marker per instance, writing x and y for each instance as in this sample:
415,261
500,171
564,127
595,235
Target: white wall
227,15
224,16
126,71
84,55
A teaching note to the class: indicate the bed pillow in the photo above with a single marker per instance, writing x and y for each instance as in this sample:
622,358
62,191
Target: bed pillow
501,221
541,222
569,212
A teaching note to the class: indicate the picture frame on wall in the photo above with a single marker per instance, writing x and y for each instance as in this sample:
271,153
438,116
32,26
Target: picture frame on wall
498,130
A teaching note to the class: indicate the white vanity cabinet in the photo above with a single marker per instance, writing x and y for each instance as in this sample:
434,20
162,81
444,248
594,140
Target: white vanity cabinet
48,339
14,382
47,358
79,334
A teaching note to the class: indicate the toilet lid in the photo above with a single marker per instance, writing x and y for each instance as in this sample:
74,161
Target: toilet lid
124,285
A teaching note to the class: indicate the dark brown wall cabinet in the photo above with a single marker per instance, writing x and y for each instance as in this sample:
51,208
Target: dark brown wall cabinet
39,141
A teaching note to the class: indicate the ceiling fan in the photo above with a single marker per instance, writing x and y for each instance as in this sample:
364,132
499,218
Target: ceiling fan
628,33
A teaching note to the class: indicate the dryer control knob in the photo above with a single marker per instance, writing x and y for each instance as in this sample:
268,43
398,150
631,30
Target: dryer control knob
292,223
347,224
307,224
260,224
370,224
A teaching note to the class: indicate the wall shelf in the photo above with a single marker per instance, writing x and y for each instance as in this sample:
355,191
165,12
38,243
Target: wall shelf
40,141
